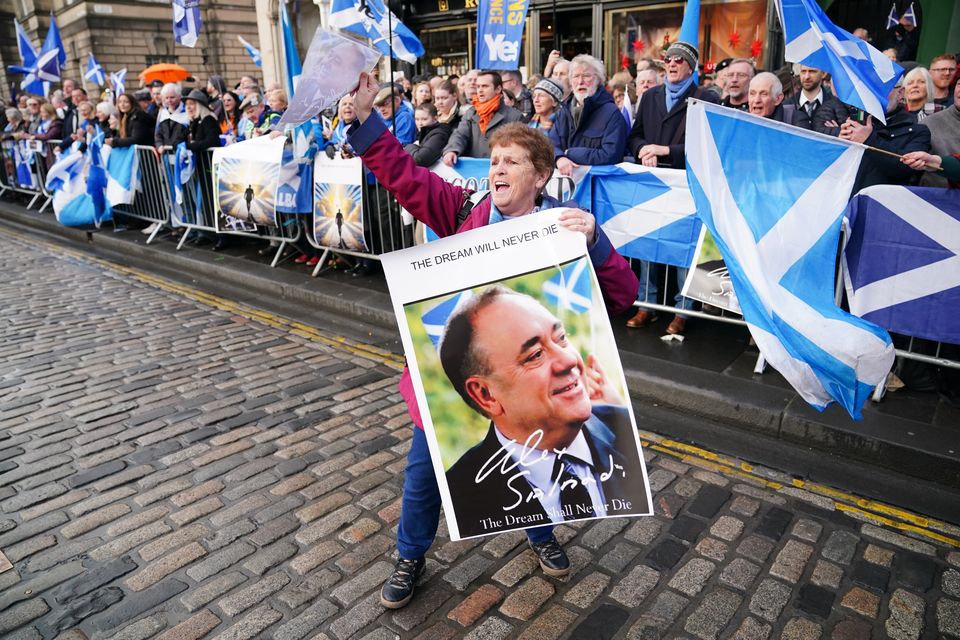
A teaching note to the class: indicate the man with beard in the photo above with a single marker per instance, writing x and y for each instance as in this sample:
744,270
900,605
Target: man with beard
817,108
738,75
587,130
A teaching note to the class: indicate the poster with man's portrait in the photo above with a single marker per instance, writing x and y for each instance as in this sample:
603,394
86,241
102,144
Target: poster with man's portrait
518,378
247,175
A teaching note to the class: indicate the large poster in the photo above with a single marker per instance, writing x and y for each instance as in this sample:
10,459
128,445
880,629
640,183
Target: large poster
518,378
246,178
338,203
708,279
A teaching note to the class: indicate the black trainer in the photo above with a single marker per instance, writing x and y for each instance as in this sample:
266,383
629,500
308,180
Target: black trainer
398,589
553,559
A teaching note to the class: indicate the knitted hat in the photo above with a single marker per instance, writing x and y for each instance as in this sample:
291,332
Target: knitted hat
552,88
685,50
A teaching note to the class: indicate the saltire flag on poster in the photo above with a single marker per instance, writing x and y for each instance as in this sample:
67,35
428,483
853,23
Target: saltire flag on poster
862,76
435,318
54,41
123,174
291,57
94,72
902,260
571,289
499,32
776,218
23,163
186,22
371,19
647,212
252,51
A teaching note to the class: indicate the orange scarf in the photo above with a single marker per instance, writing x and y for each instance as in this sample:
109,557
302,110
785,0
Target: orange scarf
485,111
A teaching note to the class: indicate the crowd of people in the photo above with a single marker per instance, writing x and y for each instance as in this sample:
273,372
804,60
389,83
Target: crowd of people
636,115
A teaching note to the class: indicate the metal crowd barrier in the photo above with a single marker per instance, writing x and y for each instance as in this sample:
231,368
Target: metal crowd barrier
153,200
38,170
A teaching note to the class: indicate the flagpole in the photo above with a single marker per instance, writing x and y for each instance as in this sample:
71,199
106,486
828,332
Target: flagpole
393,120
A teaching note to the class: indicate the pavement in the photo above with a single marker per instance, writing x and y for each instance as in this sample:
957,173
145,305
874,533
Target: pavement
192,466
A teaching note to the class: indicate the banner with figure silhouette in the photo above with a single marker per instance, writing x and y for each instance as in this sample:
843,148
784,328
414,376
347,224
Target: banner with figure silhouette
518,378
247,175
338,203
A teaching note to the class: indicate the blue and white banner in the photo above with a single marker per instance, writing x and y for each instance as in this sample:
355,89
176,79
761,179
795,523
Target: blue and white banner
902,260
23,159
78,182
776,218
862,76
252,51
499,33
648,213
94,72
186,22
371,19
123,174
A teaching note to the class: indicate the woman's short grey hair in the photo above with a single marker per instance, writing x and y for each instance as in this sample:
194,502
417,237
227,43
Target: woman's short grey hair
13,114
170,87
928,79
586,60
108,108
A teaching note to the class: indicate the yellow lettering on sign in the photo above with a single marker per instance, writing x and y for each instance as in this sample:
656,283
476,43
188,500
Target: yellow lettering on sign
471,4
443,5
517,8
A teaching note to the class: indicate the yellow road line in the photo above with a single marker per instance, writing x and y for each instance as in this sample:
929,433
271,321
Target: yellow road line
877,512
367,351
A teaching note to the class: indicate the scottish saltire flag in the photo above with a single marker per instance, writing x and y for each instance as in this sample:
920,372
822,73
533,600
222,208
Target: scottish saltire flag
65,171
571,289
123,174
116,81
53,41
94,72
862,76
78,182
184,164
252,51
892,18
775,217
31,83
291,57
690,29
186,22
911,16
435,319
23,164
902,260
647,212
370,19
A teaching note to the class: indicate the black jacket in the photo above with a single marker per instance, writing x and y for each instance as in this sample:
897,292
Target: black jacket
430,143
900,135
70,121
203,134
654,125
169,133
140,128
831,109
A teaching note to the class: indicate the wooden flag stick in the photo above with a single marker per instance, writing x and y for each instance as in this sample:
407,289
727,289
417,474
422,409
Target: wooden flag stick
895,155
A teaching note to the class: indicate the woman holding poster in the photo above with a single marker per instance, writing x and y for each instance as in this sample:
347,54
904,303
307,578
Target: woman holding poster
521,163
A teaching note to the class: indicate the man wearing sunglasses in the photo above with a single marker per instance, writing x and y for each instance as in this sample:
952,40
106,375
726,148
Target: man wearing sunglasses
657,140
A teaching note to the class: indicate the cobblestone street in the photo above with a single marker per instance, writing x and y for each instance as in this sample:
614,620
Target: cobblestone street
176,466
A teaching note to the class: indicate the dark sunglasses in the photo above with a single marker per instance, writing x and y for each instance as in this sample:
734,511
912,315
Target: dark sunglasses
676,59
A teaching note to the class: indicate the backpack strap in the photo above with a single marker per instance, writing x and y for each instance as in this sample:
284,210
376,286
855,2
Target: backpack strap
472,200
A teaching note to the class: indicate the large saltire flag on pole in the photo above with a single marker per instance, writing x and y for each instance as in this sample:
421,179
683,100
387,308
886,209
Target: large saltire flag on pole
371,19
54,41
862,76
252,51
647,212
186,22
28,63
776,219
95,72
291,57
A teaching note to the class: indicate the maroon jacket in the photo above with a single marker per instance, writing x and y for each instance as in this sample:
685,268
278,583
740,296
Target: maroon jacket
435,202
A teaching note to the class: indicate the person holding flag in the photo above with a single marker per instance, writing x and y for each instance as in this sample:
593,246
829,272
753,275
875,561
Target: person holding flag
521,163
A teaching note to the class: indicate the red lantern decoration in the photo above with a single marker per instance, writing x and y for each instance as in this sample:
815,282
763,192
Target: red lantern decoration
734,40
639,46
755,48
625,62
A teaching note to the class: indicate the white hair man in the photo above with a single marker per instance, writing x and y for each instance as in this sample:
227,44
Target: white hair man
588,129
172,121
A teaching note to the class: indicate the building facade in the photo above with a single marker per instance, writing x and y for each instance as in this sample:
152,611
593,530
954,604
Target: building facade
132,34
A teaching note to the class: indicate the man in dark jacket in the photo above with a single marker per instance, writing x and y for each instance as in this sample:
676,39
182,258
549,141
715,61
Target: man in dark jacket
480,121
71,119
172,122
901,134
513,82
658,139
589,129
766,99
817,108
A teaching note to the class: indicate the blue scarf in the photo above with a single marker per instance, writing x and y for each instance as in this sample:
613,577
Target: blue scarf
675,90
